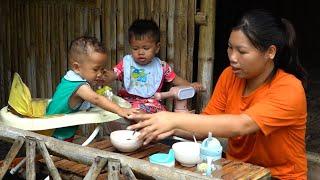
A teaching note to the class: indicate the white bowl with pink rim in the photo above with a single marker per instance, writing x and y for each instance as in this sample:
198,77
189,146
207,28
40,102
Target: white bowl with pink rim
187,153
125,140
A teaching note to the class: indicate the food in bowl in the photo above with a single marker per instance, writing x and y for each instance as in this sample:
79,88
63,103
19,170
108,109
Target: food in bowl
125,140
187,153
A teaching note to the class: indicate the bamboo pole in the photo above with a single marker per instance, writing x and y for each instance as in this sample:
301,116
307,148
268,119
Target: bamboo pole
171,39
142,4
120,29
2,42
190,37
127,172
33,62
113,32
106,30
206,52
163,29
170,33
31,154
86,155
96,167
45,154
97,16
53,45
113,169
48,51
11,155
62,48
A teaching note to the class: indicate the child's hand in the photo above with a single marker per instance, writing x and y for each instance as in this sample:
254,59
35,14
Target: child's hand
198,87
126,112
108,77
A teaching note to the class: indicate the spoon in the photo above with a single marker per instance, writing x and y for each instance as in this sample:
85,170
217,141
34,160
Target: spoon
194,138
130,138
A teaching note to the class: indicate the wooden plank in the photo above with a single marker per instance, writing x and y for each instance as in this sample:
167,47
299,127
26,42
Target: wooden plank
113,169
11,155
50,165
97,16
95,169
31,153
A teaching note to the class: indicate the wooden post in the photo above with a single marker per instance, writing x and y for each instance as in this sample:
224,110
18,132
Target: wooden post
206,52
31,154
127,172
113,169
86,155
11,155
50,165
95,169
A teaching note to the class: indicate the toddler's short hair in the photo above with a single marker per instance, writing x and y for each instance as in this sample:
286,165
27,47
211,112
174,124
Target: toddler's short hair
141,28
84,46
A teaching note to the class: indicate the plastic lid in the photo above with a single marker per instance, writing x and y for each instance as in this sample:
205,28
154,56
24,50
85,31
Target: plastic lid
162,157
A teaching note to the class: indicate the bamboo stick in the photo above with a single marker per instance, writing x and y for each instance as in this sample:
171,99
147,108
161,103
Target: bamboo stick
86,155
33,69
11,155
9,61
45,154
181,41
127,172
53,46
48,51
62,47
126,27
170,33
42,49
142,4
57,43
97,16
2,42
206,52
113,32
120,29
96,167
190,37
113,169
14,39
106,28
163,29
171,39
31,154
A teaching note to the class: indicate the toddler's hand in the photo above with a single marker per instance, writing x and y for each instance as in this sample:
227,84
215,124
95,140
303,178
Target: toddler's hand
198,87
108,77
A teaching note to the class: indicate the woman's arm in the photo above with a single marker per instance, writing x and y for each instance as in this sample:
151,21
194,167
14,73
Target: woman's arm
156,126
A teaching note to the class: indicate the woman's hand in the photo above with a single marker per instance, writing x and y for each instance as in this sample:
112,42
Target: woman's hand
154,126
127,112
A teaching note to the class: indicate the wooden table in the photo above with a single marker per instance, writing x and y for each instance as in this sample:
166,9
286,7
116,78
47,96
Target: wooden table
229,169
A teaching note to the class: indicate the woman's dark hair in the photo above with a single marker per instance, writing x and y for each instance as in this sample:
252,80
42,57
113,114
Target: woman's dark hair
263,30
142,28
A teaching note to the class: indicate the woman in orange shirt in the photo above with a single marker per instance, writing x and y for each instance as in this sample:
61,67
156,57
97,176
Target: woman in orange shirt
259,101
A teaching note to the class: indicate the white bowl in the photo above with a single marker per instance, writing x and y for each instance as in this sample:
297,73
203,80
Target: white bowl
125,141
187,153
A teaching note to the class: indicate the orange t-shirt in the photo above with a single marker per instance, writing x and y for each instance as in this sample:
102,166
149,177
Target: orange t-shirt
279,108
